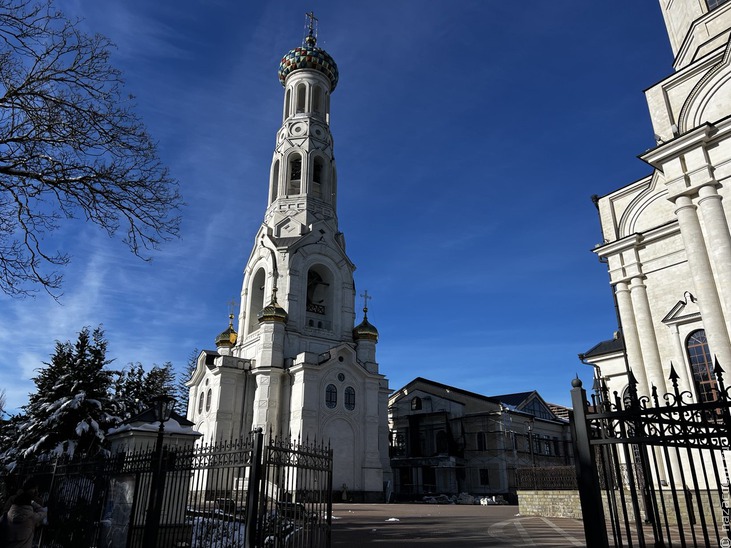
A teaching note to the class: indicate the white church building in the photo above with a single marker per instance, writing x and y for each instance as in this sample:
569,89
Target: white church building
666,240
296,364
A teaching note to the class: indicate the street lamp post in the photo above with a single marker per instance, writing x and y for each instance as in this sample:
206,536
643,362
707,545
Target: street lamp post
163,407
530,444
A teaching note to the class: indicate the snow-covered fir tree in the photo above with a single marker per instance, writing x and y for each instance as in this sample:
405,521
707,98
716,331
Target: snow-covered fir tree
134,389
71,409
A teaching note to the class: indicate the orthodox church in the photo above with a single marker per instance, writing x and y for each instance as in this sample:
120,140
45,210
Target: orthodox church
666,239
296,365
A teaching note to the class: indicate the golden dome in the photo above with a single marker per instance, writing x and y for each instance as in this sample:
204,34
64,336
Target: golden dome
272,312
226,339
365,331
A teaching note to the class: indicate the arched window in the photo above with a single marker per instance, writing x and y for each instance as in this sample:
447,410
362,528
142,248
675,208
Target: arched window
316,293
294,183
275,182
331,396
626,398
317,99
301,98
320,302
416,403
317,177
209,397
287,100
701,365
713,4
200,403
256,300
349,398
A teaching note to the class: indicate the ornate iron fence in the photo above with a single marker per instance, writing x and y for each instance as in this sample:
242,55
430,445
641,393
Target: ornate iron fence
655,466
231,494
547,478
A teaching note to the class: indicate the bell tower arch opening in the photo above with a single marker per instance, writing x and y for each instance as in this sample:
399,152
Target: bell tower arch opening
319,178
294,181
256,300
319,308
274,191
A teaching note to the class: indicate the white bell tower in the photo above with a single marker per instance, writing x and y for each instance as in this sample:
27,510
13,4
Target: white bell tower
299,366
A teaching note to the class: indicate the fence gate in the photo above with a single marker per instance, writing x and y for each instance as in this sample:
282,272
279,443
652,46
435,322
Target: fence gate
296,495
653,471
241,494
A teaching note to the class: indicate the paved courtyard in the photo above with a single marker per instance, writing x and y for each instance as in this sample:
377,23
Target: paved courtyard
431,525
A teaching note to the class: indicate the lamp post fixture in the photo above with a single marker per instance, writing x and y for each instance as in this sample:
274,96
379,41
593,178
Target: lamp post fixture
530,444
162,406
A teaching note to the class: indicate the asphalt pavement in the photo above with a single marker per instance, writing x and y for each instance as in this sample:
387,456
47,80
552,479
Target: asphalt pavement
434,525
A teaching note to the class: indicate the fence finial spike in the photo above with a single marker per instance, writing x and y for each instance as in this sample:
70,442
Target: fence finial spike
717,369
673,375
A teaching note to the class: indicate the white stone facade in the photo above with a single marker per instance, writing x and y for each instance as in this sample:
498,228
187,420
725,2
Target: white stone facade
299,367
666,236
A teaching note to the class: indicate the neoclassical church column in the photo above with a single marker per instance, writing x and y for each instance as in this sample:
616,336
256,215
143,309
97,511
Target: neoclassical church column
646,334
631,339
719,242
705,285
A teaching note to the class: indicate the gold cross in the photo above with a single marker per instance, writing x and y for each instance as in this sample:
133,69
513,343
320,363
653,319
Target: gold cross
232,304
366,298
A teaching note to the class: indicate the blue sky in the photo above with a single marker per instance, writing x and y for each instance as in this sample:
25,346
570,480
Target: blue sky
469,137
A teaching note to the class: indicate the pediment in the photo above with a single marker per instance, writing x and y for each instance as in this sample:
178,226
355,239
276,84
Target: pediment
288,228
707,102
684,311
648,210
535,405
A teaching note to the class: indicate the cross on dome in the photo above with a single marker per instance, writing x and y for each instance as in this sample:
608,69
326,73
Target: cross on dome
311,26
366,298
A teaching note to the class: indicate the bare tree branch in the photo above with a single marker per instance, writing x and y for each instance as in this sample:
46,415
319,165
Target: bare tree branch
70,148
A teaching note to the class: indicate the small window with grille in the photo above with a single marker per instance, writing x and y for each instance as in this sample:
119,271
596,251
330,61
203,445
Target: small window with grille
331,396
349,398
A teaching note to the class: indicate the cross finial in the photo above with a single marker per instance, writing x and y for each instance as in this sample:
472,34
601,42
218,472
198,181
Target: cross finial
232,304
311,37
366,298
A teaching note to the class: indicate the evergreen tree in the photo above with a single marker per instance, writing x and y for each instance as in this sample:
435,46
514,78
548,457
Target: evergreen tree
182,392
71,409
128,386
160,380
134,389
9,432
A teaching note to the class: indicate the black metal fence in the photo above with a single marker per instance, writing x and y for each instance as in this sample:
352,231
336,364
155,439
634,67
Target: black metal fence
546,478
653,470
231,494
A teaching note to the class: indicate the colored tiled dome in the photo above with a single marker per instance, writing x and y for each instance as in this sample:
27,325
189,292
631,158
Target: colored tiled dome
308,56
